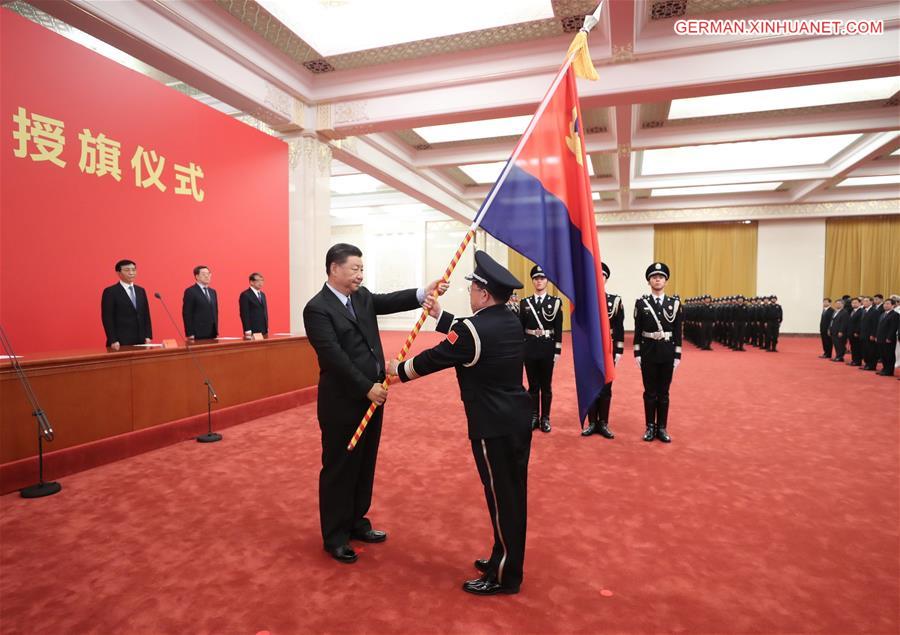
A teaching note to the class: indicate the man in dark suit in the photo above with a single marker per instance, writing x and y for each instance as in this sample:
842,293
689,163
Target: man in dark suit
200,307
886,336
124,310
341,324
253,307
487,352
868,327
838,330
824,326
855,328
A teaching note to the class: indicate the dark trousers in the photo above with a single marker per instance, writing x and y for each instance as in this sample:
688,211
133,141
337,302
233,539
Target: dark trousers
540,380
856,349
840,347
707,334
346,479
503,467
870,353
826,344
657,378
888,357
771,335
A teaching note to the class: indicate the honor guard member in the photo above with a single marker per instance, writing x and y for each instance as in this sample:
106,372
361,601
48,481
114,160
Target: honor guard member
598,414
541,316
486,350
657,348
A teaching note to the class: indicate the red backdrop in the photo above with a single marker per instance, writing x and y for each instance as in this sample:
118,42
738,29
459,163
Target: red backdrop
62,228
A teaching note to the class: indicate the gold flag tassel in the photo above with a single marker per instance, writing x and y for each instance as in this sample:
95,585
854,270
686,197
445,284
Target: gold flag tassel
581,62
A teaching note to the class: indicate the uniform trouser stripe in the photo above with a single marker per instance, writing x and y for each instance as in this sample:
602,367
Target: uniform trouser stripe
496,512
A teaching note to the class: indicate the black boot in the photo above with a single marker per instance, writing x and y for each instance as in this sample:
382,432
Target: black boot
603,418
662,418
535,420
545,424
591,426
650,417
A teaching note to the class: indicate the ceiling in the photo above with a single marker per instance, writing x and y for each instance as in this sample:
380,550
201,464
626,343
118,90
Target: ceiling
675,122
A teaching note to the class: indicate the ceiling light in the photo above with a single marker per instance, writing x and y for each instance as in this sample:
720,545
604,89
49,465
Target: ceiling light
716,189
786,98
744,155
333,28
483,173
890,179
486,129
355,184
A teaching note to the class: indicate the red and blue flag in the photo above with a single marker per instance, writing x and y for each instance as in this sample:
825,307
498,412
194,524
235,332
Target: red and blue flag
544,210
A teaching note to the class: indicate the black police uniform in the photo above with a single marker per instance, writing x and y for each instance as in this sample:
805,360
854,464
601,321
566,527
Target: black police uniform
542,320
486,350
657,342
598,414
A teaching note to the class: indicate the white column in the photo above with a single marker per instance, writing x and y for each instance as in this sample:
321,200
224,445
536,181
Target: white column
790,263
627,251
309,221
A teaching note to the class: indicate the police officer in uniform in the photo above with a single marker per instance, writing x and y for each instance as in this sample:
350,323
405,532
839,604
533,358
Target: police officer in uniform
486,350
657,348
598,414
541,316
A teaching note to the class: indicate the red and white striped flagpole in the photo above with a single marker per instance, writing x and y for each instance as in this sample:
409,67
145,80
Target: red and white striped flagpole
589,23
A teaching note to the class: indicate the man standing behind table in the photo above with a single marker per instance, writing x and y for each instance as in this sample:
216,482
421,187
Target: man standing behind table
341,323
124,310
253,307
200,307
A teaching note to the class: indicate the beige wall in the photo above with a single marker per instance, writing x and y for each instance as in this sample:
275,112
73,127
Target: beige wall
790,263
627,251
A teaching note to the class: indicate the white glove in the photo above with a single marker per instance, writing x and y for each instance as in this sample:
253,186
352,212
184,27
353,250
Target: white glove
675,365
617,358
556,358
637,360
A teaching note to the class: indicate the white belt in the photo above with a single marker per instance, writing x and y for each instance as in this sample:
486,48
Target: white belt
657,335
539,333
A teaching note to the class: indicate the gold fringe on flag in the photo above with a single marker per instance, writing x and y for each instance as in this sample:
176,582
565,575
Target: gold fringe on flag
582,63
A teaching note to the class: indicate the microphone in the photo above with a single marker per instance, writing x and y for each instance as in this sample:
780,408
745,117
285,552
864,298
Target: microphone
212,391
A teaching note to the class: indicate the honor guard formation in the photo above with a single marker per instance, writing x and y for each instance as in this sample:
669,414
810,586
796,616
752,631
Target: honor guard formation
733,321
867,325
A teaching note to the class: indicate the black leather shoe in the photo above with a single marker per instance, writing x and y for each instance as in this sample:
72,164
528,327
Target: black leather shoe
545,424
487,587
649,435
372,535
343,554
589,430
824,356
663,436
535,422
605,432
482,565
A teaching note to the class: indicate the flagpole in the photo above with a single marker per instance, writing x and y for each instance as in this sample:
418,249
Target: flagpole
590,22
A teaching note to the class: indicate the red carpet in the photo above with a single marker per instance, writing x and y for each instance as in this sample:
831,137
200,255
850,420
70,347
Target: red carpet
775,510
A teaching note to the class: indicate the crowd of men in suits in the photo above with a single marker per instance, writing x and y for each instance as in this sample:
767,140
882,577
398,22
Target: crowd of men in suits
867,325
125,311
733,321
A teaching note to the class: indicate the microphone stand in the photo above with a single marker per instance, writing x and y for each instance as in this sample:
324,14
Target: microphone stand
45,430
210,436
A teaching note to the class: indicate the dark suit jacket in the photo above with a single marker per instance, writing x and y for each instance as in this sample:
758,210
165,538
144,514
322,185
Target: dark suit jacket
349,350
870,322
887,327
254,313
123,322
201,316
856,323
825,321
839,324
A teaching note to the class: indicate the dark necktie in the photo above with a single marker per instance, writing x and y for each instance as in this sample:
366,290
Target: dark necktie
658,303
131,296
349,306
206,293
